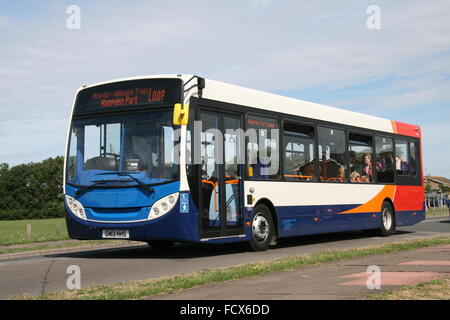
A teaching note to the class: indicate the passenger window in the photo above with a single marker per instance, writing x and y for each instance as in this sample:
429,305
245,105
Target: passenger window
262,147
360,157
299,152
402,157
332,155
384,159
413,162
413,148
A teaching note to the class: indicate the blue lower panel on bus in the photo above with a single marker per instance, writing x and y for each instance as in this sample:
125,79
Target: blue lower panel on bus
304,225
407,218
172,226
118,214
305,220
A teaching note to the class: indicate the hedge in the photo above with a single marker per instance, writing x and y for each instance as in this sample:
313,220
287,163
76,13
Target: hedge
24,214
32,190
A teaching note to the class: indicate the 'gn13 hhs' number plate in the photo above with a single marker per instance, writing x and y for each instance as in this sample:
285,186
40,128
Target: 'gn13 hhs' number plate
116,234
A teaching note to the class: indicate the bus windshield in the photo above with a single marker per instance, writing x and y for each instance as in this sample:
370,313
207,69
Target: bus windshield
140,144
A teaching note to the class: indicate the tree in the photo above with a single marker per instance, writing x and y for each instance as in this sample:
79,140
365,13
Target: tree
4,167
32,190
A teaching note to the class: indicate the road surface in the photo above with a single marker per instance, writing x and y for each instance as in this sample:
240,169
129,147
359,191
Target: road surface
342,280
47,273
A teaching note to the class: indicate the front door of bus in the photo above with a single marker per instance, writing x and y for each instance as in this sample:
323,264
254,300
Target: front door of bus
221,182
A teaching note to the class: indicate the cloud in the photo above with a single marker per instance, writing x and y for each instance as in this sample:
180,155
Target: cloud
268,45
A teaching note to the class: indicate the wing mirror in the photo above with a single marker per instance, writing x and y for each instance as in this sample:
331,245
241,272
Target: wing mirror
180,114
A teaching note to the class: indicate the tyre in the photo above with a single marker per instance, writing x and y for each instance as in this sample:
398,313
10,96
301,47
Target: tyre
263,229
387,220
160,244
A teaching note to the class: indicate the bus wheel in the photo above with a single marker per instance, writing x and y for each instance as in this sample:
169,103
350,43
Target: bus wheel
160,244
387,220
263,230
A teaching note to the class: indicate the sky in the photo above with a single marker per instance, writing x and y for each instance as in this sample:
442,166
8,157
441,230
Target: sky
320,51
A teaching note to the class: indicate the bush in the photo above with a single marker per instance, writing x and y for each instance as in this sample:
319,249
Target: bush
32,191
23,214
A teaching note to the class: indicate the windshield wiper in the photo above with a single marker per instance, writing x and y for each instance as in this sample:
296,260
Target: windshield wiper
128,174
124,173
95,183
83,189
140,183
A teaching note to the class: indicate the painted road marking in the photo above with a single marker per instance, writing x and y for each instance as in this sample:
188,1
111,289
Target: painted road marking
426,263
395,278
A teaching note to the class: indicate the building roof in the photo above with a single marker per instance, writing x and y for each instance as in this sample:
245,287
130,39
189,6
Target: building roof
438,179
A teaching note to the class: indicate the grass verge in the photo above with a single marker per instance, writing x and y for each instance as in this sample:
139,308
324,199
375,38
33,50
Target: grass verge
64,245
146,288
437,213
433,290
42,230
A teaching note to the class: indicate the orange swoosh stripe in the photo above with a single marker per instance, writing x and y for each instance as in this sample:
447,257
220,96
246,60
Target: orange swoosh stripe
394,127
374,205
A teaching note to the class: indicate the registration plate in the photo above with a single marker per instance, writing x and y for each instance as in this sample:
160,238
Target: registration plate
115,234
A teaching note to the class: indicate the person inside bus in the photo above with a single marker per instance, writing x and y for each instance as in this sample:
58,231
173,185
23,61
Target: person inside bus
367,168
380,165
335,171
309,171
385,162
355,176
341,174
352,160
323,167
401,165
389,160
304,171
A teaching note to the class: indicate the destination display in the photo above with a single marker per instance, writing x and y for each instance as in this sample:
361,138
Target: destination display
260,122
129,94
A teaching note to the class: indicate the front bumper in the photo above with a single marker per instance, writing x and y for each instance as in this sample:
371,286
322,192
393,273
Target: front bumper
174,226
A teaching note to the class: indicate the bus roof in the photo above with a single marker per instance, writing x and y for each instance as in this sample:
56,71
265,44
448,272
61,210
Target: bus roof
221,91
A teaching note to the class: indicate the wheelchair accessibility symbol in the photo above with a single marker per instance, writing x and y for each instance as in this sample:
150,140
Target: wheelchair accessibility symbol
184,203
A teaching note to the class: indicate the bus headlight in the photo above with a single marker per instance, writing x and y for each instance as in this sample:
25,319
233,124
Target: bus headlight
162,206
76,207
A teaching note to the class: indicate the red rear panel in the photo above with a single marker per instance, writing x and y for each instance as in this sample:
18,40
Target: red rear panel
409,198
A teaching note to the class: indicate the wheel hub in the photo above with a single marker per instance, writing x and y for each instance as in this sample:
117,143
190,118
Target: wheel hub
260,228
387,219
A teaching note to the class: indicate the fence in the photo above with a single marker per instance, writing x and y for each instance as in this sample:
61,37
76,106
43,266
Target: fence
437,201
